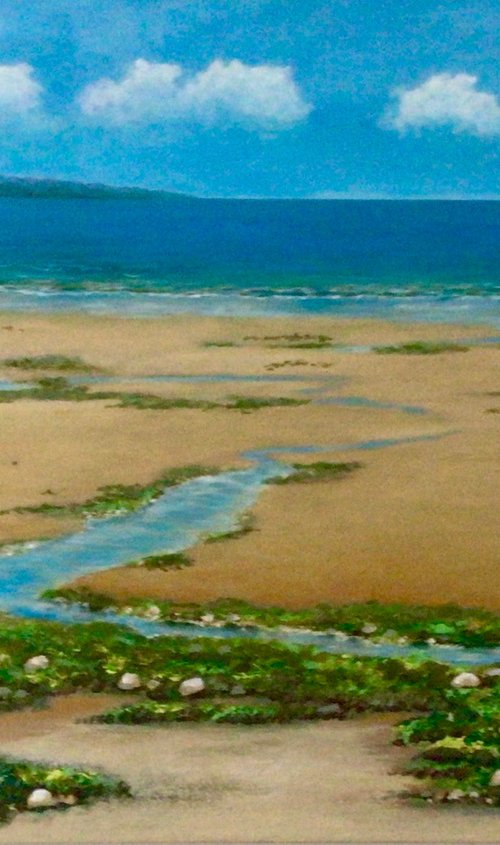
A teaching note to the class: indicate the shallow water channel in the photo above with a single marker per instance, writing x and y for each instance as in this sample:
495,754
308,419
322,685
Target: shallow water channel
176,520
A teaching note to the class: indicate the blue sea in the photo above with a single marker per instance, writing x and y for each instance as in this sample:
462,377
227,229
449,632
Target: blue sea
400,260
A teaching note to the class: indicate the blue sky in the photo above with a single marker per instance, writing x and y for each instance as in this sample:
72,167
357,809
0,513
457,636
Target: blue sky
254,97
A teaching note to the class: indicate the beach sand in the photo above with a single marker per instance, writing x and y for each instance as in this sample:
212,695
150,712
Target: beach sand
416,523
304,782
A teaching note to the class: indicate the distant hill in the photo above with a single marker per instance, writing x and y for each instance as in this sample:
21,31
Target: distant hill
14,186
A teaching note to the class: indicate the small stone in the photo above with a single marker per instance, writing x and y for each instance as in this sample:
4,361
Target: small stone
40,799
403,641
153,612
488,800
492,673
5,692
495,778
456,795
369,628
192,686
237,690
431,641
129,681
208,618
465,679
233,617
329,710
36,663
153,684
21,694
473,794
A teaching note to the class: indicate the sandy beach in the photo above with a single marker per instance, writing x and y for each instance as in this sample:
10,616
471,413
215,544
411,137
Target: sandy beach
323,782
416,523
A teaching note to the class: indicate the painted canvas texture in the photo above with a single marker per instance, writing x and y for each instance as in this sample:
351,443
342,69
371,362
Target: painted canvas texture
249,406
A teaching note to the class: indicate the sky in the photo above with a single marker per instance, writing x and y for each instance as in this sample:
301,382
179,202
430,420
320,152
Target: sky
254,98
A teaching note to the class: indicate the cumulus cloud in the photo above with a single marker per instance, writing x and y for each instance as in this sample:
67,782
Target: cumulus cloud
255,96
20,93
445,100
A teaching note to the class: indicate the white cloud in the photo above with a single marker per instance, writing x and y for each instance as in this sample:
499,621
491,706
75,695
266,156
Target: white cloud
20,94
445,100
258,96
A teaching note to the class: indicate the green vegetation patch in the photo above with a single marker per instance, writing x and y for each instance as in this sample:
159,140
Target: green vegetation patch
58,388
220,344
68,786
318,471
61,363
122,498
169,560
299,362
246,524
416,624
294,341
459,745
421,347
249,681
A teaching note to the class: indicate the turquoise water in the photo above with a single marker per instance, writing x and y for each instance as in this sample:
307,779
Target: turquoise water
403,260
173,522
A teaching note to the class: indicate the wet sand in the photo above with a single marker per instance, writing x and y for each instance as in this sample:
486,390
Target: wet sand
416,523
322,782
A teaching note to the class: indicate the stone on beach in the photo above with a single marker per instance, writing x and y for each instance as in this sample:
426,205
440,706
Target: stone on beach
33,664
465,679
40,799
192,686
129,681
329,710
369,628
492,673
208,618
495,778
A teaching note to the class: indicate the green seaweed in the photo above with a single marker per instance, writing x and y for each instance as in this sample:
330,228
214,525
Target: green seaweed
416,624
421,347
18,778
63,363
318,471
120,498
57,388
256,681
246,524
169,560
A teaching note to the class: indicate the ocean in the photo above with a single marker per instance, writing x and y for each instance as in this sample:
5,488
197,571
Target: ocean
404,260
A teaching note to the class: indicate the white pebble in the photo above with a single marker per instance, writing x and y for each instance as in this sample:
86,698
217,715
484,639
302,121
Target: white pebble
36,663
129,681
39,799
495,778
369,628
153,684
455,795
465,679
208,618
493,673
192,686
